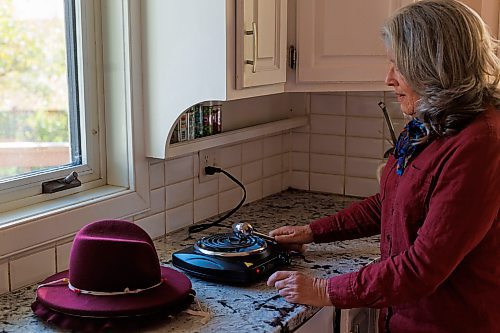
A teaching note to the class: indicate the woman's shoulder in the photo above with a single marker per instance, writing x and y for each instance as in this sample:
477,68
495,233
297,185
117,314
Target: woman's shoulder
486,126
480,138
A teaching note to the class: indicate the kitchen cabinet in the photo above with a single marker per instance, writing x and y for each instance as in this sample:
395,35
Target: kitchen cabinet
224,50
339,44
322,321
189,55
261,27
359,320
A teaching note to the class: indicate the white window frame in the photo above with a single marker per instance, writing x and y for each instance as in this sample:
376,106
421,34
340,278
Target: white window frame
25,190
126,192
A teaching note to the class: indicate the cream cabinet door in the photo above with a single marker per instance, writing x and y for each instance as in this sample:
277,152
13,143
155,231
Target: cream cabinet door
340,41
261,27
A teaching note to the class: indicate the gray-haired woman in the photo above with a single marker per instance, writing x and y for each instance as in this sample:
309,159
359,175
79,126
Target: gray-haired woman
439,200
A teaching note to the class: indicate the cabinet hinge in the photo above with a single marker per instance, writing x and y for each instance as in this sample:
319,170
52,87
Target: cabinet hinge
292,57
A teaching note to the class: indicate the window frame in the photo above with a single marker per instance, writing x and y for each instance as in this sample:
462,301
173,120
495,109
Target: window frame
25,190
126,192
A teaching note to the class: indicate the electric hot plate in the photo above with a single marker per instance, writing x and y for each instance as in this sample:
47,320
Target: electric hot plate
231,259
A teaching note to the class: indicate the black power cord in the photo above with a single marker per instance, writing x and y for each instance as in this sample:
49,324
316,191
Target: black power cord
210,170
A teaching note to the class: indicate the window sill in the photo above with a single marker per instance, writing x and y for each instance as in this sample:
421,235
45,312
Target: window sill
37,225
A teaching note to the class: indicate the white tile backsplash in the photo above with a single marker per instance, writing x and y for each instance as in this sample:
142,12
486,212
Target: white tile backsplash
208,188
32,268
254,191
327,144
157,175
179,193
362,167
365,127
251,172
327,183
286,180
154,225
364,147
251,151
63,252
334,103
196,165
300,142
229,156
300,161
225,183
272,185
285,162
179,217
272,165
287,141
364,104
273,145
299,180
206,207
326,124
157,202
303,129
179,169
229,199
4,277
328,164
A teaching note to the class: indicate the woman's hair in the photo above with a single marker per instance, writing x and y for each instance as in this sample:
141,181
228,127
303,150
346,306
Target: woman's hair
446,55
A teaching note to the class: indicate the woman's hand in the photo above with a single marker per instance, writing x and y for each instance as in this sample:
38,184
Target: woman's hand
293,234
300,288
293,237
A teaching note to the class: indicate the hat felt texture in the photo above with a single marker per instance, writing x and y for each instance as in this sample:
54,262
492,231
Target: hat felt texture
114,273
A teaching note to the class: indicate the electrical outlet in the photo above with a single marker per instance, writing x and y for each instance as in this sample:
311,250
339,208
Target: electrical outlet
207,158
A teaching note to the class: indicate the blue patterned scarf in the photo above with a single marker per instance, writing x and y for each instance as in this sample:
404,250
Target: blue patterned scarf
405,146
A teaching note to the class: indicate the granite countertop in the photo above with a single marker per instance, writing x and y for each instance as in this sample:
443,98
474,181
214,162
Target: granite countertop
251,308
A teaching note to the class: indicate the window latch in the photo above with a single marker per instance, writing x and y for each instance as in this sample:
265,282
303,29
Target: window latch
61,184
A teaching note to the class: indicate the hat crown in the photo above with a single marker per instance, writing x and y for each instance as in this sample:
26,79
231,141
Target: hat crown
111,255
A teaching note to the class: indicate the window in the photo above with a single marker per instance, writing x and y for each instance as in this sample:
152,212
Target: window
49,107
110,37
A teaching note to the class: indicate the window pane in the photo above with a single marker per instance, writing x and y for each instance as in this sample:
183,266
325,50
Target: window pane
36,108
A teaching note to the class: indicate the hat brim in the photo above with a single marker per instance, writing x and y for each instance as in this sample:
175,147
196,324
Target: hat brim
60,298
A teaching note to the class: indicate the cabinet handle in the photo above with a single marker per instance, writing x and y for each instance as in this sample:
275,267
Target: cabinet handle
253,32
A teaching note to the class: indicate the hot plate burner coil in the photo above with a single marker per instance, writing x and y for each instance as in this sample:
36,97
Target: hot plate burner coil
229,245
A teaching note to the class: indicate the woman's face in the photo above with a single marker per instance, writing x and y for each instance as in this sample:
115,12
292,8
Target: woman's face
407,98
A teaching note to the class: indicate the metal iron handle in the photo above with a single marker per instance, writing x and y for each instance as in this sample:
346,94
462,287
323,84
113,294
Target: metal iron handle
243,229
253,32
389,123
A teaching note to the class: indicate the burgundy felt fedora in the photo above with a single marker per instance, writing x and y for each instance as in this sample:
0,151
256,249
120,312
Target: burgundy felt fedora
114,272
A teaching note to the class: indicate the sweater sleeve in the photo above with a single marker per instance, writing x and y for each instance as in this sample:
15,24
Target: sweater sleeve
463,208
361,219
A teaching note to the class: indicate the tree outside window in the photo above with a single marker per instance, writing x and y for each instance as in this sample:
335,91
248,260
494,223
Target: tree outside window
33,87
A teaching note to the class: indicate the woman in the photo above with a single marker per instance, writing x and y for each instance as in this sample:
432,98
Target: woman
438,205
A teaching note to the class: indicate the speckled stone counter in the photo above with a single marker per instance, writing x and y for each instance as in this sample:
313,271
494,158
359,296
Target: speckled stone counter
252,308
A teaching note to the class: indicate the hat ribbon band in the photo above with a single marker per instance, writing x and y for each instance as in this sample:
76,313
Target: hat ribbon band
99,293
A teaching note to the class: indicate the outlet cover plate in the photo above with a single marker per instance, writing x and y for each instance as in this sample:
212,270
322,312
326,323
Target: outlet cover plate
206,157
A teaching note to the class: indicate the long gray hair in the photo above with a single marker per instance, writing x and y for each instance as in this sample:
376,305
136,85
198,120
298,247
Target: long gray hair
446,55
